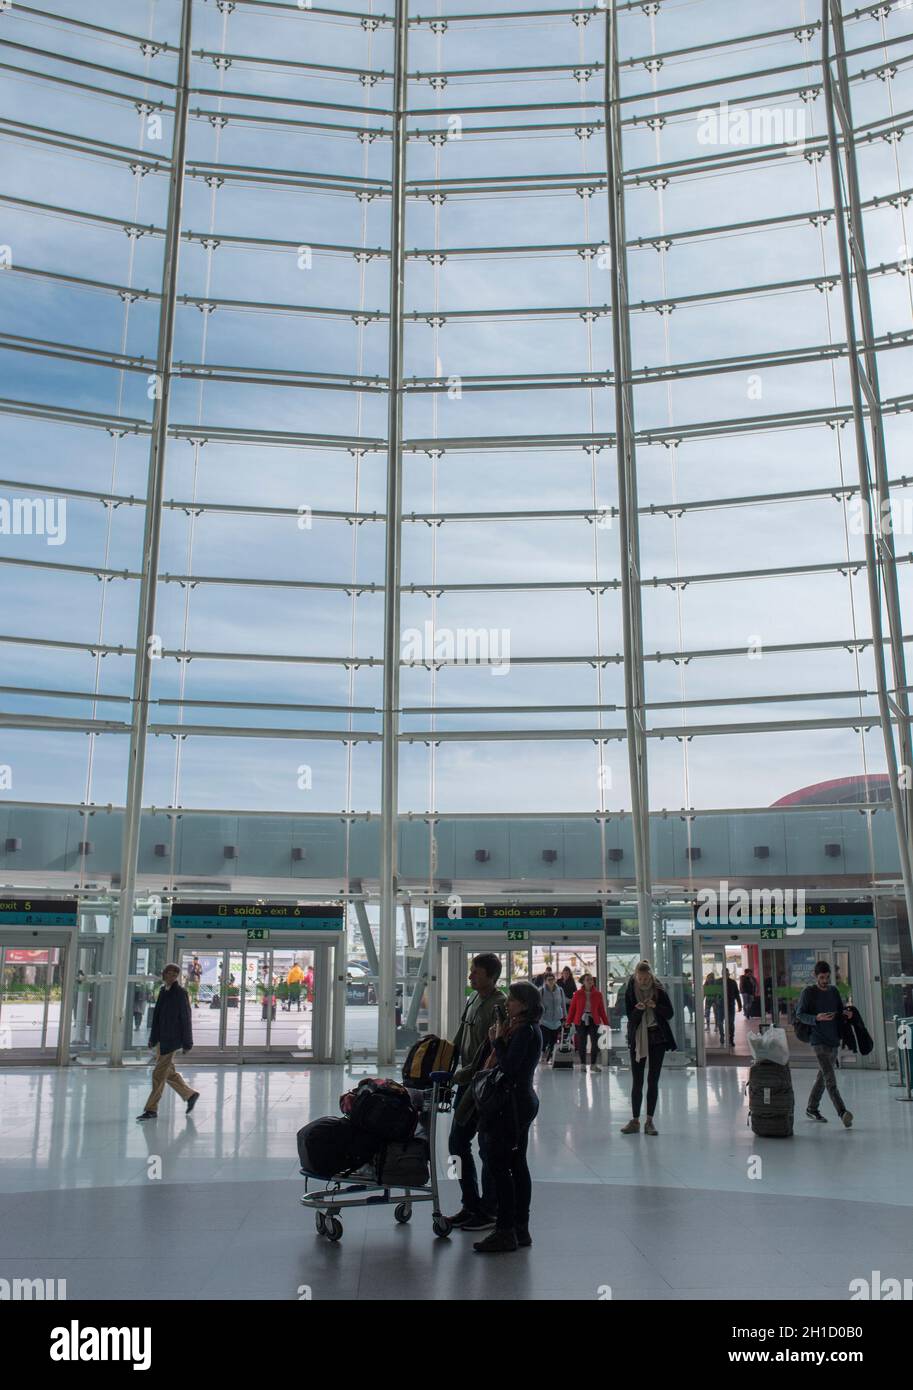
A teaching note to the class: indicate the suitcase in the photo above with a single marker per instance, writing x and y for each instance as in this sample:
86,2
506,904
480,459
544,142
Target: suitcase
771,1102
564,1054
403,1164
329,1146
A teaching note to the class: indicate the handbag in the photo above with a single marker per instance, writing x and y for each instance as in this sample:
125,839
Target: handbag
494,1095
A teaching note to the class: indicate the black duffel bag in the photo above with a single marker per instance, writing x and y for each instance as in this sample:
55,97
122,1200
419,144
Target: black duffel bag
403,1164
380,1108
329,1146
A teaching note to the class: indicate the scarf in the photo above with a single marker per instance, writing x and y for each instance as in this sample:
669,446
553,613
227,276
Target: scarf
647,1016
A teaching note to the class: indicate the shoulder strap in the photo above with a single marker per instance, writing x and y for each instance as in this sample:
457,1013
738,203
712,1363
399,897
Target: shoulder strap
458,1040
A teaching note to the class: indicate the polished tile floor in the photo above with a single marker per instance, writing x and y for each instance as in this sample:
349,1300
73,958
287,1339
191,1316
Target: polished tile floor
207,1206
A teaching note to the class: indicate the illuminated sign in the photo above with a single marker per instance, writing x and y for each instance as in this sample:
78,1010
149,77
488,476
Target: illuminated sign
517,919
248,917
38,912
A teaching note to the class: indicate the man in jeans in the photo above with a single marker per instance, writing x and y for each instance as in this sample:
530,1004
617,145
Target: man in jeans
820,1007
487,1004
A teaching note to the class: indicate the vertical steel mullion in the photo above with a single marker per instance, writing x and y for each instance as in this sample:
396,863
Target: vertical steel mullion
142,671
880,567
386,991
629,539
876,419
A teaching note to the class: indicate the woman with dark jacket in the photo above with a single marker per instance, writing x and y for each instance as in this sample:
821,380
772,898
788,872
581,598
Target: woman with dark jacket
649,1010
567,982
514,1047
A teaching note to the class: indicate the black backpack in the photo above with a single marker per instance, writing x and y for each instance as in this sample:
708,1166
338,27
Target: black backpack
380,1108
771,1103
329,1146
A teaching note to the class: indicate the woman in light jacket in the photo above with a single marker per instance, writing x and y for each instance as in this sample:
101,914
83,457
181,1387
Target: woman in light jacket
554,1012
649,1010
588,1012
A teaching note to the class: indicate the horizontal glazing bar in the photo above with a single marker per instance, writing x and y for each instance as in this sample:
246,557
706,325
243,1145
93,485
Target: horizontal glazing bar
282,122
97,696
107,92
142,41
96,571
308,104
227,731
142,78
46,135
263,60
242,581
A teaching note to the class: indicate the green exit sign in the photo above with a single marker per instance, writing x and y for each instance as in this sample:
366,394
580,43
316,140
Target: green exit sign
518,935
258,933
771,933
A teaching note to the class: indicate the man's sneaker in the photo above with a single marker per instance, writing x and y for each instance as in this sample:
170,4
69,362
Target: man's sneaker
632,1127
478,1221
497,1243
148,1115
816,1115
847,1118
650,1128
192,1100
596,1067
461,1218
524,1239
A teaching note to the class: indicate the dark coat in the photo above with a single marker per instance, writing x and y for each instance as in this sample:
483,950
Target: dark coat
855,1035
664,1011
172,1021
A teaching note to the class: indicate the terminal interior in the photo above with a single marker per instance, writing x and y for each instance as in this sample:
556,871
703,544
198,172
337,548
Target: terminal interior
455,501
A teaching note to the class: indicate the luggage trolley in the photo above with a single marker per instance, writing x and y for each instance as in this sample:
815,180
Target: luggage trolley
356,1189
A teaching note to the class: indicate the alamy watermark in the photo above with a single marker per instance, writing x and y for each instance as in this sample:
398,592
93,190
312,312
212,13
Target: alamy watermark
742,907
34,516
751,125
461,646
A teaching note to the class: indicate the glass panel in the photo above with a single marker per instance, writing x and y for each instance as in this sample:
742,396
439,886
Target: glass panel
293,1021
22,997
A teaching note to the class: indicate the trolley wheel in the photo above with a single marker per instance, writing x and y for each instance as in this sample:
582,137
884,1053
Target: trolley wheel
442,1226
321,1224
403,1212
333,1228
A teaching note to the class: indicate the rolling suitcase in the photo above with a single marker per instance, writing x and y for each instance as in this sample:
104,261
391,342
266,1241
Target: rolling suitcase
565,1053
771,1102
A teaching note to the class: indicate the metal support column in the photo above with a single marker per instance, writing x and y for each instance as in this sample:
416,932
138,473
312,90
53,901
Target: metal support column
629,536
367,939
881,566
145,629
386,990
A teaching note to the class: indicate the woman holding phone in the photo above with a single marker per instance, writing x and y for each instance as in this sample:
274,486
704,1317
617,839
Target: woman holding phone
649,1010
514,1047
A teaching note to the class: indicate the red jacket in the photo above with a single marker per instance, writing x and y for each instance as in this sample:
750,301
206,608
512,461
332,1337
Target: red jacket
578,1004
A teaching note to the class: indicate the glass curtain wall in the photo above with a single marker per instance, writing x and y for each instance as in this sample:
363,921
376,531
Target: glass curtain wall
266,648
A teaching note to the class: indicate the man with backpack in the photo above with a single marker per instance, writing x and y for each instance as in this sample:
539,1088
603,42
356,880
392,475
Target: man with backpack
484,1008
818,1019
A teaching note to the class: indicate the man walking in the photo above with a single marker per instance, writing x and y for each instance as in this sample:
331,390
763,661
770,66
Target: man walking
477,1212
732,1002
820,1008
172,1027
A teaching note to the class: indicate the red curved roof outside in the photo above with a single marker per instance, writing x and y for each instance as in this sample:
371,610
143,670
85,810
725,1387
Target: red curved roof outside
840,790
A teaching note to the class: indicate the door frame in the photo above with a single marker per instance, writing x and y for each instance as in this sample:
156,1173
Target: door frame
328,1019
865,972
44,939
447,976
